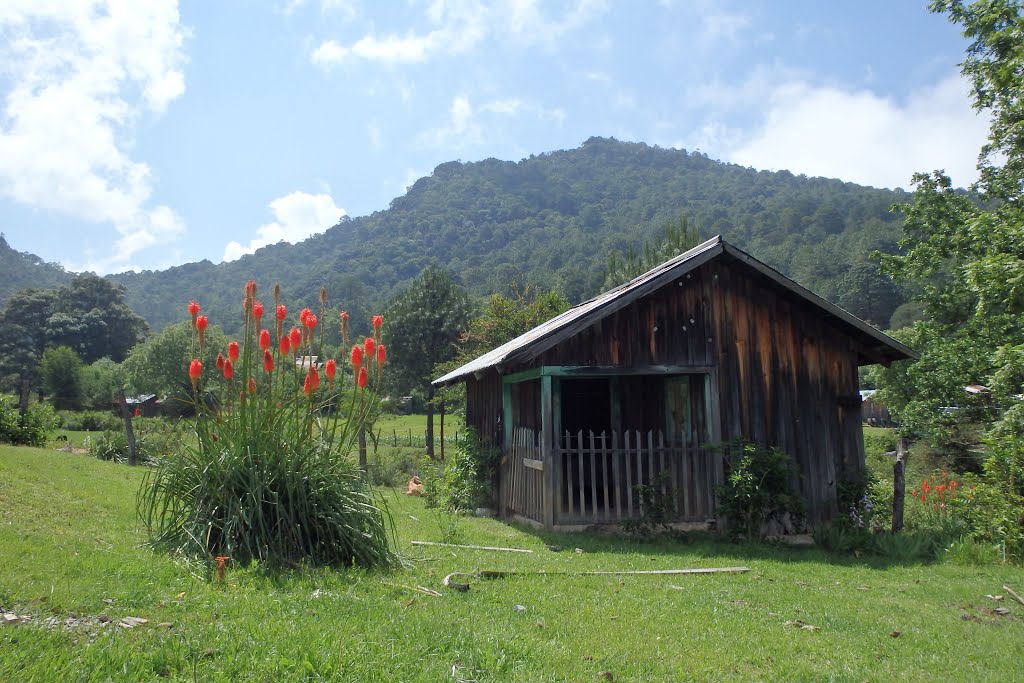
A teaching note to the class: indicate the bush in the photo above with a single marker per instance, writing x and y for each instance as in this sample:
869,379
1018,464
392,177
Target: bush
465,481
89,420
31,429
758,490
268,476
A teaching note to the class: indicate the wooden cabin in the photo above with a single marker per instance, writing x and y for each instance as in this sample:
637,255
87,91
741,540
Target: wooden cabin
632,387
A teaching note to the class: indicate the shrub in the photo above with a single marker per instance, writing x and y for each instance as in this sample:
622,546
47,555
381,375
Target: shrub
268,476
758,489
465,480
31,429
656,502
89,420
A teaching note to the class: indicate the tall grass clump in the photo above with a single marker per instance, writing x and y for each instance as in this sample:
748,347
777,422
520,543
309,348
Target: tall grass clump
269,474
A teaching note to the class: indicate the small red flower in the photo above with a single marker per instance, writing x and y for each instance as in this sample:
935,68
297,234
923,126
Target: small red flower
220,361
378,320
252,385
137,413
295,338
229,369
371,347
310,321
314,378
307,385
357,356
195,369
233,351
382,355
282,312
268,361
284,347
257,310
362,378
202,322
264,339
303,314
330,369
193,309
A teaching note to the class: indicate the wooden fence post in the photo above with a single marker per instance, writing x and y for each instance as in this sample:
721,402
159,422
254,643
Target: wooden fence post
362,449
128,431
898,484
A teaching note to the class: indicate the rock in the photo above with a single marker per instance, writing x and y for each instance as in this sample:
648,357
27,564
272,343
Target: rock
132,622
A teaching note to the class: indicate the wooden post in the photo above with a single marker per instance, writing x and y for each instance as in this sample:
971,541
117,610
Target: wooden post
129,432
898,485
547,452
442,429
430,422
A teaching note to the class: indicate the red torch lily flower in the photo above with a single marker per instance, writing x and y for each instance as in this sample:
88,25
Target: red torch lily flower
362,378
257,312
250,289
193,310
252,385
314,378
195,369
330,369
344,327
268,361
307,385
295,338
282,312
201,323
264,339
382,354
284,347
378,320
220,361
233,351
357,356
229,369
370,345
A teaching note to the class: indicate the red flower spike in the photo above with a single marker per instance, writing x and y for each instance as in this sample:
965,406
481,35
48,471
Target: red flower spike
314,378
382,355
284,347
202,322
282,312
229,369
303,314
220,361
268,361
252,385
362,378
233,351
250,289
264,339
257,310
330,369
357,356
310,321
307,385
193,309
195,369
371,347
295,338
378,320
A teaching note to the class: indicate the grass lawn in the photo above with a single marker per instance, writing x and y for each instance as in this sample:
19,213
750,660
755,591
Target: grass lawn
72,557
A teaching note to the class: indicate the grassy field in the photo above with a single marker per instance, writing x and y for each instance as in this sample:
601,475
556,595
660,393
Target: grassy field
73,560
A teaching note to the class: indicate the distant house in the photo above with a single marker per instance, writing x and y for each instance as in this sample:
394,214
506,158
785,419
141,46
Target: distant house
873,411
632,387
307,362
146,404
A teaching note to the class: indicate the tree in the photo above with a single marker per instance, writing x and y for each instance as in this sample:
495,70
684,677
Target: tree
100,383
422,324
623,268
160,364
23,336
61,370
965,252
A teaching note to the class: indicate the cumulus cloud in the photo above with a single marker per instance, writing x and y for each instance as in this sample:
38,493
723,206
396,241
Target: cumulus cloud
861,137
77,75
297,216
458,27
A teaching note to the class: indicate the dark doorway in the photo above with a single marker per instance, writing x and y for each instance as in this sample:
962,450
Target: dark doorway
586,405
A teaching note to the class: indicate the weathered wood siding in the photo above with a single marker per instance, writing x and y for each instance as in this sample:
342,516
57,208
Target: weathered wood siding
483,407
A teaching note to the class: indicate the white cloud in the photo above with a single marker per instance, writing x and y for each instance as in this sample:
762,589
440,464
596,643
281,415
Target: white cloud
460,26
864,138
297,216
464,128
79,75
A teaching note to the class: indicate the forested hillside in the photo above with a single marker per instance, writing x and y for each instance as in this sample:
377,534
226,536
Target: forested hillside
19,270
550,221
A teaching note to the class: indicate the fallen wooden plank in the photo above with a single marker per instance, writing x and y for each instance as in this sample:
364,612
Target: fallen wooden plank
1014,594
417,589
491,574
473,547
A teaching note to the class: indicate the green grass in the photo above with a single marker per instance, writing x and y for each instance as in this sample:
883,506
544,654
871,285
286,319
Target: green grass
70,545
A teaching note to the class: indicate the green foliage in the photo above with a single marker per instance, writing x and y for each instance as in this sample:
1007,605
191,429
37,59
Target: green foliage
656,501
159,365
758,489
31,429
622,268
88,420
423,323
62,377
100,383
269,474
465,480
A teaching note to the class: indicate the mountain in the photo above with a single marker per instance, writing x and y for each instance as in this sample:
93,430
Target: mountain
21,269
551,220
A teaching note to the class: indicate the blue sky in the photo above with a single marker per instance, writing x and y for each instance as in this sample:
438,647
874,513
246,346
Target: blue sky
144,134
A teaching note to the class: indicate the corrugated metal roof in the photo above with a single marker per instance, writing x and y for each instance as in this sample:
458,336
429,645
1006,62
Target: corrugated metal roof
528,346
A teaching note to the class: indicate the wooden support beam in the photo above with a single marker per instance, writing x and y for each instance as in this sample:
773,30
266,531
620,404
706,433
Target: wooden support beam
547,424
